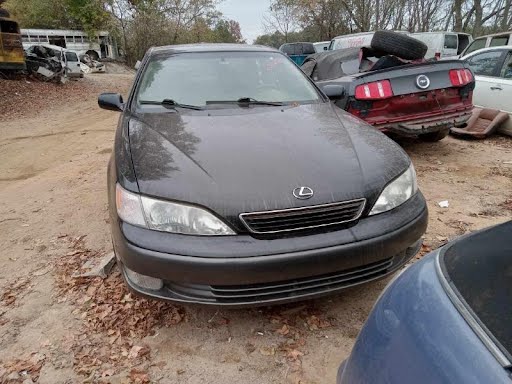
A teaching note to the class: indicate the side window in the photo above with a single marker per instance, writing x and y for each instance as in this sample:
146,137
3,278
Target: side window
506,71
71,56
486,63
475,45
7,26
499,41
450,41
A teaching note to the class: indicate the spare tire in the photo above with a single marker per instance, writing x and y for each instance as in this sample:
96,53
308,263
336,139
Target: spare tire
399,44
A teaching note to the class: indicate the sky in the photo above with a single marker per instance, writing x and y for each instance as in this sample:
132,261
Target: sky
249,13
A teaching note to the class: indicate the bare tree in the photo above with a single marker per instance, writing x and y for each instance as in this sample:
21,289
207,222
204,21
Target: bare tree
282,17
122,11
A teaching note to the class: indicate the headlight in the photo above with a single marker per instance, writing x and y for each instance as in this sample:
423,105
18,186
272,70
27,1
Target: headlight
166,216
397,192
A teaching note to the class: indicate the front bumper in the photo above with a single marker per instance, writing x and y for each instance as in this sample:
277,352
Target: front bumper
241,270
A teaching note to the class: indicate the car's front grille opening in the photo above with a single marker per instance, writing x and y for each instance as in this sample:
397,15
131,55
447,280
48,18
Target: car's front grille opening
296,219
253,293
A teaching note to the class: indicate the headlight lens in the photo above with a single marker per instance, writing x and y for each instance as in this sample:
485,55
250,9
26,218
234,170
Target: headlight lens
166,216
397,192
129,207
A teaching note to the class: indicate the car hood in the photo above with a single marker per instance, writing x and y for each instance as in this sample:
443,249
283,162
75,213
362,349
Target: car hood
251,159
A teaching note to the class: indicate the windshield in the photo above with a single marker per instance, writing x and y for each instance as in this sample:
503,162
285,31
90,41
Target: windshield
197,78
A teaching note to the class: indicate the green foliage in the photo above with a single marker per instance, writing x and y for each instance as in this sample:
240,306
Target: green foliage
40,13
227,31
88,14
277,39
138,24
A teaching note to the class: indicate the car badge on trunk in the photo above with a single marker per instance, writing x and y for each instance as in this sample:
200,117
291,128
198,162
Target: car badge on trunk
422,82
303,193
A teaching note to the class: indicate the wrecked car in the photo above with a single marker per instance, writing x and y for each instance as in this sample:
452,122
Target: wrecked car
446,319
51,62
390,86
235,181
92,66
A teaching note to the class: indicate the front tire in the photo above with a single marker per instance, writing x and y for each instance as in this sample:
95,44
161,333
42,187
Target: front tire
435,136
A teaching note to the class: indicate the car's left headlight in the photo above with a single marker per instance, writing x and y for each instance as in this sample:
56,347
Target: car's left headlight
180,218
397,192
167,216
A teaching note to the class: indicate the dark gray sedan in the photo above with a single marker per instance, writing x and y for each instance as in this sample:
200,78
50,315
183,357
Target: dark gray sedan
235,181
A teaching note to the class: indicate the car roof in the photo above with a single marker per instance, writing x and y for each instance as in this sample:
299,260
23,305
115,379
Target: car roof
494,34
364,34
298,42
207,47
440,32
354,34
51,46
488,49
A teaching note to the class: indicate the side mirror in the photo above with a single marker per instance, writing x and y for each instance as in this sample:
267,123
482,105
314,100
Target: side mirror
326,48
138,64
111,102
333,91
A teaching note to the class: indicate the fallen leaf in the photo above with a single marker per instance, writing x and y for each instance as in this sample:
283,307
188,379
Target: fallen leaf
268,351
294,354
139,376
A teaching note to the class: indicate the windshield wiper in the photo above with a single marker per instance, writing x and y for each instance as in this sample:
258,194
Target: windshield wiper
246,101
169,103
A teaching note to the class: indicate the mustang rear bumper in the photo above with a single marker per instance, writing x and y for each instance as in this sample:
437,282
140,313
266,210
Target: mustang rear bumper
427,124
241,270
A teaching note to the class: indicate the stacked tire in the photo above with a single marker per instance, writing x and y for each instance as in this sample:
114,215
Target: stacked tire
398,44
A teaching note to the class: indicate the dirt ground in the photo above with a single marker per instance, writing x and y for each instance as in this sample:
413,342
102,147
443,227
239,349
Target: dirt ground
55,328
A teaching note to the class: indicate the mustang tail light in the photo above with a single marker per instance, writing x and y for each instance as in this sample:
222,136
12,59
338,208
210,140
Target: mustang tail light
374,91
460,77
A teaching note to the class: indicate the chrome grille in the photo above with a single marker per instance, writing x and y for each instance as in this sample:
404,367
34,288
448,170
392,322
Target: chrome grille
296,219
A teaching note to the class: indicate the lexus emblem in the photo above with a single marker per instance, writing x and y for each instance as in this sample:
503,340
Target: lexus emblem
303,193
422,82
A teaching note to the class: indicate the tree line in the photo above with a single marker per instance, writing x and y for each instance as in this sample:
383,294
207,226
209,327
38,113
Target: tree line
321,20
136,24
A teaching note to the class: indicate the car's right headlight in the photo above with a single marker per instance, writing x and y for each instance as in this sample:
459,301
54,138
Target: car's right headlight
397,192
166,216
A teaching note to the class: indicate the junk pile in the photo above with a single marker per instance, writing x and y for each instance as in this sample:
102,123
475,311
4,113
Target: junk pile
387,49
482,124
88,65
45,63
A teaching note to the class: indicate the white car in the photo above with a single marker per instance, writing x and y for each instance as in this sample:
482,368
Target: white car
321,46
444,45
493,77
494,40
72,63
